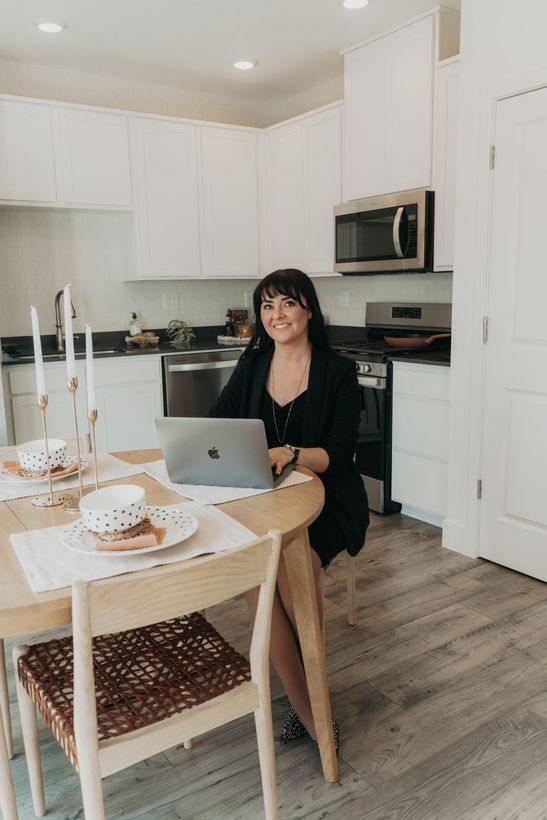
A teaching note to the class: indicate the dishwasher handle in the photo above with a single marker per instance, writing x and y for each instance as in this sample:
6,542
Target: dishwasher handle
182,368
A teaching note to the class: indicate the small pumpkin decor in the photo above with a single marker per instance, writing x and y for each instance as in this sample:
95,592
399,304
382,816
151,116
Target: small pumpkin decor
180,334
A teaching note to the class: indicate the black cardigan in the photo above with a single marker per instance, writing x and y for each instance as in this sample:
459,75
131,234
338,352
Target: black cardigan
331,421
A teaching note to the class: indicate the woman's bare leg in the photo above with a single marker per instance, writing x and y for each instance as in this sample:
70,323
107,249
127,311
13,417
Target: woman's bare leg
284,647
285,656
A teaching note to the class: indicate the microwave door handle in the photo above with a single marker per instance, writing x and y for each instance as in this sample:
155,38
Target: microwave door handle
397,231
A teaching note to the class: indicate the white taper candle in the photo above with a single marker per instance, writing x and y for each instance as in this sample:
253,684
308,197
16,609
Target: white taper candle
69,338
38,360
89,375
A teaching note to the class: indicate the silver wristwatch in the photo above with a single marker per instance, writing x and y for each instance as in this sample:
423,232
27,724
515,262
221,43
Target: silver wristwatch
295,451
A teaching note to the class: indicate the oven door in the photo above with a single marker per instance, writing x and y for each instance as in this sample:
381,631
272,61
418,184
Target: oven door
384,234
373,452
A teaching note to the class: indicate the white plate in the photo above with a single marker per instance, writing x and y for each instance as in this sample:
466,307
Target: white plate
10,478
179,525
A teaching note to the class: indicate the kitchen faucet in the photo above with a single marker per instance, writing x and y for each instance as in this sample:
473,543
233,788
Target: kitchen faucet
58,324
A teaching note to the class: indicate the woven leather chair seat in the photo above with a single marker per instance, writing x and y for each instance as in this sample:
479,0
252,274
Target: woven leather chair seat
141,676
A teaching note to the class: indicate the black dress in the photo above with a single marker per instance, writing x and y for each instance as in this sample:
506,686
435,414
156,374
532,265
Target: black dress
328,416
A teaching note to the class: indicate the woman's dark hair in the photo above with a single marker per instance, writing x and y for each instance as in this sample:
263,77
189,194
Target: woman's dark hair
298,286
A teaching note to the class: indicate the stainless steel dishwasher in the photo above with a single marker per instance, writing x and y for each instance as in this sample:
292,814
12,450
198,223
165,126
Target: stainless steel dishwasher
192,381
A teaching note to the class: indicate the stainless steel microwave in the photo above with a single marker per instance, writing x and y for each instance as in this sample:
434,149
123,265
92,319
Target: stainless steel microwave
385,234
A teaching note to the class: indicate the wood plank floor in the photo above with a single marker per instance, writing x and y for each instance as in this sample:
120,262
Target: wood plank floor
440,692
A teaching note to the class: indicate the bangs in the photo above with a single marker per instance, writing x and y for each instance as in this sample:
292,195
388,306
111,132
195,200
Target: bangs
278,285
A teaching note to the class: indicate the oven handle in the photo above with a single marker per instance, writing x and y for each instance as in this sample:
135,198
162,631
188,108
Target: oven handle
371,381
181,368
397,231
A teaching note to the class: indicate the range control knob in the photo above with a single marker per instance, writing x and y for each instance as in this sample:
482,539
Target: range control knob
366,368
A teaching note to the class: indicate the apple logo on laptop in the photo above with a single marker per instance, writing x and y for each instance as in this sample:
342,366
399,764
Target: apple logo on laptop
213,453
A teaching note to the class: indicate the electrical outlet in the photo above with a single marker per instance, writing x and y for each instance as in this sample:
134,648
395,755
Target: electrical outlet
170,301
344,299
247,299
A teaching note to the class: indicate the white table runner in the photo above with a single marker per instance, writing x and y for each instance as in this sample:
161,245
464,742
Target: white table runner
215,495
48,564
110,468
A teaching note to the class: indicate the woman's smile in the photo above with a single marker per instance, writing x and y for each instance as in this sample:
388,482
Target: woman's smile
283,317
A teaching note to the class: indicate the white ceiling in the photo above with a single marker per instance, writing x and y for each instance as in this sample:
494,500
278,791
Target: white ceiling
191,44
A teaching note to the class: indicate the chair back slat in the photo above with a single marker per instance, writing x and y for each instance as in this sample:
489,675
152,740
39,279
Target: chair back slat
127,602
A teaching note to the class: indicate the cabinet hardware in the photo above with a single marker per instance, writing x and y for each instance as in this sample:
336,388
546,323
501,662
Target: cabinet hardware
479,488
484,329
492,157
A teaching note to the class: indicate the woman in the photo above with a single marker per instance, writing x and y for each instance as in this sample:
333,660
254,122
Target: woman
309,400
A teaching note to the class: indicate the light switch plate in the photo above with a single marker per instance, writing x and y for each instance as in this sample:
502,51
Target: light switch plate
344,299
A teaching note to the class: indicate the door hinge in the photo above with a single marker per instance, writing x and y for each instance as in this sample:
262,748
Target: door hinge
479,488
492,157
484,329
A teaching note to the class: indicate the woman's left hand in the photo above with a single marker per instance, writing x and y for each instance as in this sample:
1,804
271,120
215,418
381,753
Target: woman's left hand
279,457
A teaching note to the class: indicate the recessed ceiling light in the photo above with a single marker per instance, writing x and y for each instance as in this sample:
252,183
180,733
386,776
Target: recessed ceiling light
245,65
51,28
355,4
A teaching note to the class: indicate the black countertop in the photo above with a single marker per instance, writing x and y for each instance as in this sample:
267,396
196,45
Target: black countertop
19,350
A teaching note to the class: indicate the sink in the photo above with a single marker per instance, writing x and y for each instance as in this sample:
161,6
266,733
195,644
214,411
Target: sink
61,356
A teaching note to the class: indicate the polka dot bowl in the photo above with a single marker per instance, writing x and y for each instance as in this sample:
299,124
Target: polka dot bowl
32,454
113,509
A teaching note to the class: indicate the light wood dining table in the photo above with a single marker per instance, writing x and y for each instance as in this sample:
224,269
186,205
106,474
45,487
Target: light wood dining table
23,611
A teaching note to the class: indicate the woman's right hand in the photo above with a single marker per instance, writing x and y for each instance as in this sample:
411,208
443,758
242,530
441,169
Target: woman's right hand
279,457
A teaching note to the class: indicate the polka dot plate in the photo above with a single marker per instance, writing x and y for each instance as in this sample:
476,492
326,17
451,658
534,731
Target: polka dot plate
11,478
179,526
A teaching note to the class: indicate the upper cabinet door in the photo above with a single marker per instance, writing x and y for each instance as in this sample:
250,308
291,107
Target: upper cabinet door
363,148
323,186
409,106
230,202
27,166
284,199
165,168
388,112
95,166
445,137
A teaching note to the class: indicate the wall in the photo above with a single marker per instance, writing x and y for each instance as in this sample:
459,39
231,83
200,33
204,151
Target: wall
502,53
40,251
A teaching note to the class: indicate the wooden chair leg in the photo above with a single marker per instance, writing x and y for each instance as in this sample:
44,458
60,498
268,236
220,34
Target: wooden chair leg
8,807
4,701
266,754
29,726
350,584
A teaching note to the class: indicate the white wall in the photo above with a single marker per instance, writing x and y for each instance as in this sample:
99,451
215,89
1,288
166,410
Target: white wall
40,251
502,49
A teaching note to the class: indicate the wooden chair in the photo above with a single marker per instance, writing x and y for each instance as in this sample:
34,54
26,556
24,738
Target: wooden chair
112,700
350,588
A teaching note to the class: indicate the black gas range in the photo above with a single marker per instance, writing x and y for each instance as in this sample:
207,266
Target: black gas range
372,355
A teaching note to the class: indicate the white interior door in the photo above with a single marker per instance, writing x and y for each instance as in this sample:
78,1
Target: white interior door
513,528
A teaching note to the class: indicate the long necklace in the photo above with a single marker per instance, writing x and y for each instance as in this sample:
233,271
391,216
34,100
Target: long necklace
280,439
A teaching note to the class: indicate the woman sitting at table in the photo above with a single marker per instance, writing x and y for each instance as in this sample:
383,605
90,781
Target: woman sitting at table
309,400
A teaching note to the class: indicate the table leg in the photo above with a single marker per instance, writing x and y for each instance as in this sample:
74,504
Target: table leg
300,572
7,795
4,701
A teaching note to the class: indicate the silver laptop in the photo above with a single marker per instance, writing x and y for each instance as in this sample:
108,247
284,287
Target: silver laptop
217,452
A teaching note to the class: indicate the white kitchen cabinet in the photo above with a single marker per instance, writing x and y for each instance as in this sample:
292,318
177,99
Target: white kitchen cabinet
26,418
27,166
129,398
445,135
94,158
420,439
229,234
128,393
166,173
300,185
388,112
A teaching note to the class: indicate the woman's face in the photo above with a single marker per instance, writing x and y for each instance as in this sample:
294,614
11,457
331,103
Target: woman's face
284,319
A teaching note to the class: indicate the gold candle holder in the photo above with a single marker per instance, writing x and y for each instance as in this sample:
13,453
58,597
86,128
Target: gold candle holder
72,503
92,417
47,500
